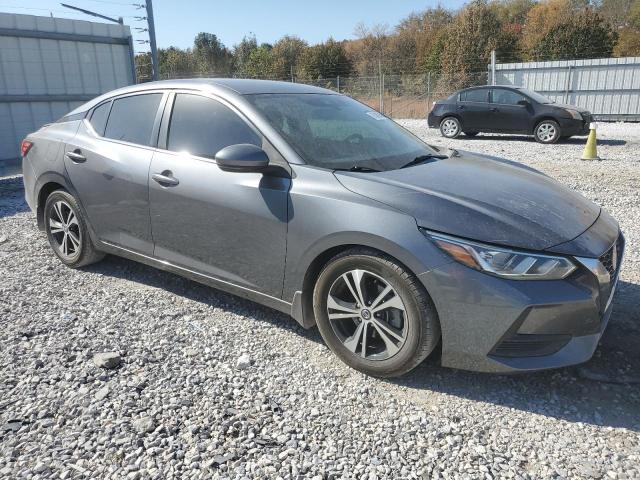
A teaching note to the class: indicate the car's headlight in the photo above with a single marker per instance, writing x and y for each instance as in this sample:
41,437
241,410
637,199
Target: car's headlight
574,113
503,262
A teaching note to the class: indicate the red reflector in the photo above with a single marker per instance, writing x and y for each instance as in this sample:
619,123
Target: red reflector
25,147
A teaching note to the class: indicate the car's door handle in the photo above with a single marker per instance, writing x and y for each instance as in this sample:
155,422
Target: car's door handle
165,178
494,109
460,107
76,156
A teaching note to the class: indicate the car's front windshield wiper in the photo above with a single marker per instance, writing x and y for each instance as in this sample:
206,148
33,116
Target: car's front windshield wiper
357,168
424,158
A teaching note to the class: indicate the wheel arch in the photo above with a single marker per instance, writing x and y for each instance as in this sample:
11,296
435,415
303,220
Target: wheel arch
302,307
542,118
46,184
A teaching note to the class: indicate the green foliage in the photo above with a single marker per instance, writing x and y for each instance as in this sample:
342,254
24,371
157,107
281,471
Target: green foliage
325,60
456,44
584,35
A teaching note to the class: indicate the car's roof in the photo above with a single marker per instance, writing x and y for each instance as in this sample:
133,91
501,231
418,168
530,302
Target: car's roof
223,86
480,87
241,86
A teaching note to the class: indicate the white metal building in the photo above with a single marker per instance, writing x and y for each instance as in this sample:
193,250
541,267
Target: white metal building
48,66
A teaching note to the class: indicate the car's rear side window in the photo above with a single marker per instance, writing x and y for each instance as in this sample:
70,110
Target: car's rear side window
203,126
131,118
99,117
480,95
505,97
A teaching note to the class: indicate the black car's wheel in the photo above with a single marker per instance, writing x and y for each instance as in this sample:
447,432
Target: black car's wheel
67,231
374,314
547,131
471,134
450,127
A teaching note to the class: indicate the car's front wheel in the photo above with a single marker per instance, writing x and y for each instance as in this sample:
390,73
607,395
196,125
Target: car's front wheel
67,231
450,127
547,131
374,314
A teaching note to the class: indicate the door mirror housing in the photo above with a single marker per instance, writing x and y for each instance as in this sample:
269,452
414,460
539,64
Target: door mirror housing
242,157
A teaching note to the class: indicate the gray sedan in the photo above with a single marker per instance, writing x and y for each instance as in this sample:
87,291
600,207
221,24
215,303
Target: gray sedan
311,203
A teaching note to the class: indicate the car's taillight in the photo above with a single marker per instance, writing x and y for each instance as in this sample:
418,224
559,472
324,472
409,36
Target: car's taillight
25,147
433,105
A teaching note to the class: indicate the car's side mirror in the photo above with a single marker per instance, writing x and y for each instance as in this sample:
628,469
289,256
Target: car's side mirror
523,103
242,157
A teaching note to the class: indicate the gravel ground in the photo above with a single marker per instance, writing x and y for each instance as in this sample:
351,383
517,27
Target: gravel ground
122,371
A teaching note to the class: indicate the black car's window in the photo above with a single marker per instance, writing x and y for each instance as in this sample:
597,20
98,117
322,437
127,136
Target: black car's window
337,132
131,118
505,97
99,117
203,126
480,95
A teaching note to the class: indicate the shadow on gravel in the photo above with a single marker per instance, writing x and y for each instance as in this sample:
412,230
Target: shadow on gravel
604,391
525,138
12,196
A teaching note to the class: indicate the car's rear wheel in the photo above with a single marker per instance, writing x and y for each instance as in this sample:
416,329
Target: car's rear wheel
547,131
374,314
450,127
67,231
471,134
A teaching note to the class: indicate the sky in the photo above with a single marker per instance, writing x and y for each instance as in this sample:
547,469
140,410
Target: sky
178,21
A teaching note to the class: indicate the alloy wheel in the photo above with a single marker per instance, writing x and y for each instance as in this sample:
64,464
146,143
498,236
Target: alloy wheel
546,132
367,315
449,127
64,229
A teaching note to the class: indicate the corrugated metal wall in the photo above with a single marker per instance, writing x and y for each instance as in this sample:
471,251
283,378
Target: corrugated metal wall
48,66
608,87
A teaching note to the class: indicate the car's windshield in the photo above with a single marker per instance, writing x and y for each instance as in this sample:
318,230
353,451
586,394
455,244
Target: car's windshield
536,96
336,132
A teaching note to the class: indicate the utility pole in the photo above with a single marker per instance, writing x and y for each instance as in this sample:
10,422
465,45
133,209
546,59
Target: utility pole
155,70
493,67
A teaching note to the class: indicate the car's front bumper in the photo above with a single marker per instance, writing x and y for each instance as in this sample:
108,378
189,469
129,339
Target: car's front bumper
490,324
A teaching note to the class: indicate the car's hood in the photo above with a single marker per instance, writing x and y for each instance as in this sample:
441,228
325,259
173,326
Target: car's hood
481,198
570,107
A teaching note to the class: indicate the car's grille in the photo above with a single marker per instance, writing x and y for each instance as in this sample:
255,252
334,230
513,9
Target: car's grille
611,258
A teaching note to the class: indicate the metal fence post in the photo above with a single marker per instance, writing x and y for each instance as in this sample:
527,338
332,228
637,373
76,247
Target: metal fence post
493,67
338,83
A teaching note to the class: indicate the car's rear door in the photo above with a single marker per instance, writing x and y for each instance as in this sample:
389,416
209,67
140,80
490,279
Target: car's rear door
230,226
473,109
506,113
108,164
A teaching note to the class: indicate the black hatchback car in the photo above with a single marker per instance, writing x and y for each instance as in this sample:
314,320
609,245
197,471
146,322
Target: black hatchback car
502,109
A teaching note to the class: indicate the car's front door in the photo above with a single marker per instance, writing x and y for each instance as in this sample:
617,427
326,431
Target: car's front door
508,112
108,165
473,109
231,226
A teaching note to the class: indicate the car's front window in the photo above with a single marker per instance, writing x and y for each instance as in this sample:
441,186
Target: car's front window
336,132
536,96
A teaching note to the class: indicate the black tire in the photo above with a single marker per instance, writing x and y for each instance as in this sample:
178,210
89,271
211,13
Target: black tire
471,134
84,253
422,332
542,132
450,127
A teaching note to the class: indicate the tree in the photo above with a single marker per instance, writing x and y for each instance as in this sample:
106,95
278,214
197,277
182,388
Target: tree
325,60
541,19
629,39
617,12
475,31
210,54
585,35
260,62
372,46
242,52
175,62
286,55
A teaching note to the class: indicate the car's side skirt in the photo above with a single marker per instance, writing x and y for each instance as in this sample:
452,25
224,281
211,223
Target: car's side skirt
258,297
